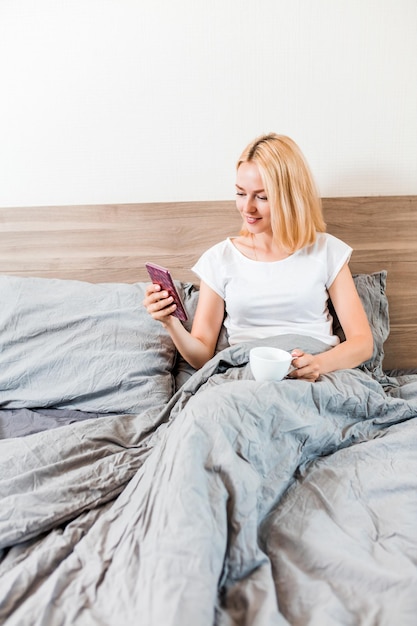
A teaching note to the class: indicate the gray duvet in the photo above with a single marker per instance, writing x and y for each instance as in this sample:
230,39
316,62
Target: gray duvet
239,503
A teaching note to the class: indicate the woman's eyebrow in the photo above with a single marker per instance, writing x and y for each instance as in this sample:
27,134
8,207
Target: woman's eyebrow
256,190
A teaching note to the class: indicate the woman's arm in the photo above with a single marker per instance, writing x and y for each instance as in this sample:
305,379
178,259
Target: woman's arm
198,346
358,346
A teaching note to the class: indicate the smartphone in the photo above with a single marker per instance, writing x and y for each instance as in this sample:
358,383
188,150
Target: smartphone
162,276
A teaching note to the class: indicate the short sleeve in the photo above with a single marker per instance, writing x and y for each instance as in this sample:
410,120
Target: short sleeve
207,269
338,253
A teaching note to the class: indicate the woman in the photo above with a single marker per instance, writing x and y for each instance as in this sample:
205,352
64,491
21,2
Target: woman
276,277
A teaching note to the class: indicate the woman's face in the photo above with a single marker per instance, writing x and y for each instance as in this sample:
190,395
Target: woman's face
251,199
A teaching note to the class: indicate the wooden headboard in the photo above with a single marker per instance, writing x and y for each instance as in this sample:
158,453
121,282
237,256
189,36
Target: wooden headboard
110,243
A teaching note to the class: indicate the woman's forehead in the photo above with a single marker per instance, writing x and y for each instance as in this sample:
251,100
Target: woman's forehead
248,175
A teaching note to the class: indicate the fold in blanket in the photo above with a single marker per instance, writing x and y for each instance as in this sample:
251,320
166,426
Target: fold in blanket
240,503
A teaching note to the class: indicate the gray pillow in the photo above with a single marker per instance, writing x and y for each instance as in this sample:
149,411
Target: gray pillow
372,292
79,345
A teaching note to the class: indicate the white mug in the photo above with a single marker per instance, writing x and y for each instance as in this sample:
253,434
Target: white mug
269,363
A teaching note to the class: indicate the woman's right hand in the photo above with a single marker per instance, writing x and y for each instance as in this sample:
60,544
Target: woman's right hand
159,304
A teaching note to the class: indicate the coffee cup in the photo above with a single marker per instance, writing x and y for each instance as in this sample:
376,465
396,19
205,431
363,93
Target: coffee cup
268,363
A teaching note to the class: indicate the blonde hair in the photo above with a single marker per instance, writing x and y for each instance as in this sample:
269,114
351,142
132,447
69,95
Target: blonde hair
296,210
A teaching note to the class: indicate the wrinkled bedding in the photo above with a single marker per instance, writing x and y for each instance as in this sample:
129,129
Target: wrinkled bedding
22,422
238,503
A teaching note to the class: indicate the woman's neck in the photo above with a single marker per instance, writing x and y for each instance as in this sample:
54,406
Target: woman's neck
265,249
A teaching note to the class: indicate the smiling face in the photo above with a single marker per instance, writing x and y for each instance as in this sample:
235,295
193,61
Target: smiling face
251,199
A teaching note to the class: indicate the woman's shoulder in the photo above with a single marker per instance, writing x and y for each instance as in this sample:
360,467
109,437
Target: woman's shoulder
325,237
215,253
328,240
218,248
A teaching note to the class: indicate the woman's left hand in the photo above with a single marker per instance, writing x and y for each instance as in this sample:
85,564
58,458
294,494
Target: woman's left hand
306,366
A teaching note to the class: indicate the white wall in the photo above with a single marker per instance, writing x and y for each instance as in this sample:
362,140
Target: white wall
152,100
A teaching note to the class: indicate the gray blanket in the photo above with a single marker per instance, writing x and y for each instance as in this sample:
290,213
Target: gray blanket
240,503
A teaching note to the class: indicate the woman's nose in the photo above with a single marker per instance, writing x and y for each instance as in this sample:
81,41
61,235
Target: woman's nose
250,205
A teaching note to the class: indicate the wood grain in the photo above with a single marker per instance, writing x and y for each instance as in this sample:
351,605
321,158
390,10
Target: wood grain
110,243
383,233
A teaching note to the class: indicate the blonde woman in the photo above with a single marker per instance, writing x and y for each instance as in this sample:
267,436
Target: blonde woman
275,277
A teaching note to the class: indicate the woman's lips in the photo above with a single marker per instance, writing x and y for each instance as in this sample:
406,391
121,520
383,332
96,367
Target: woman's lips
252,220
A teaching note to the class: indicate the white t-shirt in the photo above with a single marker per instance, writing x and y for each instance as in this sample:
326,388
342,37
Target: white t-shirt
263,299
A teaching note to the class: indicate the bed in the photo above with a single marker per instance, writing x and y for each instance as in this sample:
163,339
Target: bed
135,490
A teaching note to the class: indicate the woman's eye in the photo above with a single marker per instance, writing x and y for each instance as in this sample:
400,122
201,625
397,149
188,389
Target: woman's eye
240,193
262,198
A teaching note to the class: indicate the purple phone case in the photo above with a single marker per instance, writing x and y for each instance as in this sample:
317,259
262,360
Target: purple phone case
162,276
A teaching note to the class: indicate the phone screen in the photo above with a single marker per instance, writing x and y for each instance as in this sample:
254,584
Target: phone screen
162,276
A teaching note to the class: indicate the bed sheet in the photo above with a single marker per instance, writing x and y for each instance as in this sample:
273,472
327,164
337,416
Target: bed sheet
23,422
239,503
